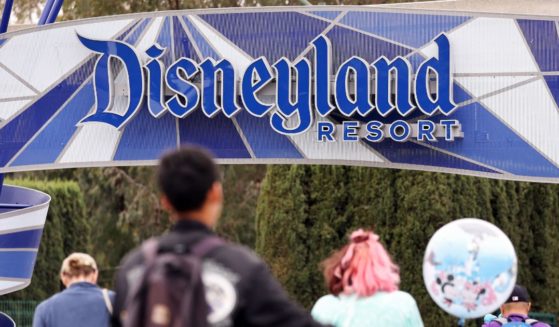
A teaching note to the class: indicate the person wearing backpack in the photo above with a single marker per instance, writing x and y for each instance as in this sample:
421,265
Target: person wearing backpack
514,312
189,277
82,303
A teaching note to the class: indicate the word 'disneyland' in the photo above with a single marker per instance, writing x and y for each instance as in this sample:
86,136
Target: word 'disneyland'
302,88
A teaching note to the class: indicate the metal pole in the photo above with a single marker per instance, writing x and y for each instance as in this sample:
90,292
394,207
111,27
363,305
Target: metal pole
461,322
46,12
55,10
6,16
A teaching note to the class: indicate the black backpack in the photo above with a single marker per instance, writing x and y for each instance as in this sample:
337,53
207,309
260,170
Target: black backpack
170,292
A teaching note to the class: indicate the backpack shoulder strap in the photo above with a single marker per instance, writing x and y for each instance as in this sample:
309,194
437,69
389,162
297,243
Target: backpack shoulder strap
531,321
107,299
206,245
149,250
501,321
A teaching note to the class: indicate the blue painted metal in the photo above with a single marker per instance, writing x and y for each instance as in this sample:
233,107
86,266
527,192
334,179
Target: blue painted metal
14,206
57,5
10,206
331,15
46,12
6,16
165,40
60,130
491,143
196,129
347,43
201,42
146,137
26,124
183,47
6,320
413,30
28,239
296,32
17,264
543,40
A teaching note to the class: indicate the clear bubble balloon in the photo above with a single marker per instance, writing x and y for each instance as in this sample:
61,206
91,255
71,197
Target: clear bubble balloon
469,268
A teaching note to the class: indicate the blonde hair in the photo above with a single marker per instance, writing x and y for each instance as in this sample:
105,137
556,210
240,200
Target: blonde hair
78,264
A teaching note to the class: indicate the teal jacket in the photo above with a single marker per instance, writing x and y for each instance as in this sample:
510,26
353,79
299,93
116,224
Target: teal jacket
382,309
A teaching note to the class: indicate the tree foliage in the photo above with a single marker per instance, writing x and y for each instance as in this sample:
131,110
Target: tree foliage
29,10
405,208
123,208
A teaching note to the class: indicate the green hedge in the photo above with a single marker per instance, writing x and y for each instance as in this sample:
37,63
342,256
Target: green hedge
304,212
66,231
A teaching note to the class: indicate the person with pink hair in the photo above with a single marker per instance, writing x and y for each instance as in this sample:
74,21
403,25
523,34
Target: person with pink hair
363,282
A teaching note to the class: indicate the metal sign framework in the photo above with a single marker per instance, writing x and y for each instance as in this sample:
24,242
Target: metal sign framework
504,83
503,71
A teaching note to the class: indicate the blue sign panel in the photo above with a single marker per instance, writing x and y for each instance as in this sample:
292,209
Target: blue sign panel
336,85
6,321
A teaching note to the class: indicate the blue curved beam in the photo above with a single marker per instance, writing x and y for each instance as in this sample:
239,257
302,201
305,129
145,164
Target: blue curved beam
6,16
57,5
46,12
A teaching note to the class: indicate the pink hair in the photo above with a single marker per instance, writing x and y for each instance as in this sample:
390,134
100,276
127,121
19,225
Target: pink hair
363,267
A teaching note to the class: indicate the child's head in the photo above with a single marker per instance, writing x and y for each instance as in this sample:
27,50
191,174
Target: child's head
362,267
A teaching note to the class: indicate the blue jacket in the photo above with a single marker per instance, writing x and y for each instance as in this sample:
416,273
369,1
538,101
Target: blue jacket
82,304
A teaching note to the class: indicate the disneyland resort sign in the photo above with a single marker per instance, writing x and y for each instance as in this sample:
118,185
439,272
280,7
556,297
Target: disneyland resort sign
301,87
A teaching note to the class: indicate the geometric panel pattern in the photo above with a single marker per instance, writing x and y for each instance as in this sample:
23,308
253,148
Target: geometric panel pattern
505,82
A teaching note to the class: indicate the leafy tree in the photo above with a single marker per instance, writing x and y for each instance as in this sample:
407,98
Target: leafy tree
282,218
241,185
405,208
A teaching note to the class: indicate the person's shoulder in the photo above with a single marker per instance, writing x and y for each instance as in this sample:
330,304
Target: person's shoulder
48,303
401,297
327,301
326,309
132,258
237,254
492,324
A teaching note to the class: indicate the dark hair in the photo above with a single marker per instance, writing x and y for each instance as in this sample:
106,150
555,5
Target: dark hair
185,176
329,265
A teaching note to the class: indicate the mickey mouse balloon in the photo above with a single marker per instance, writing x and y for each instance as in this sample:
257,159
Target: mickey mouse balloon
469,268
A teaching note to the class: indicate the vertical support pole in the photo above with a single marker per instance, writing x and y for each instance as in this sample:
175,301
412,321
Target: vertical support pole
46,12
461,322
6,16
1,182
57,5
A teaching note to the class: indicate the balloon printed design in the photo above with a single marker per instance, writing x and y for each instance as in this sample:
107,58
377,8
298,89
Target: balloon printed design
469,268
